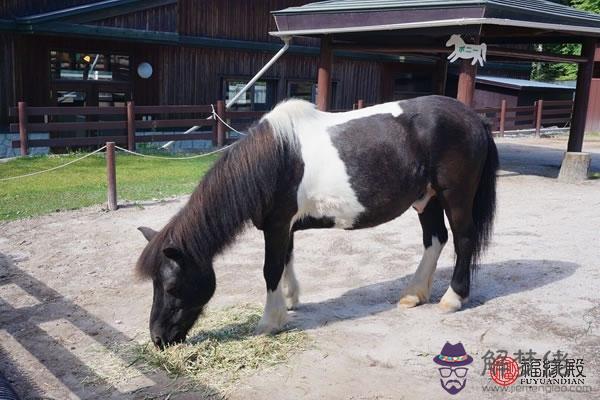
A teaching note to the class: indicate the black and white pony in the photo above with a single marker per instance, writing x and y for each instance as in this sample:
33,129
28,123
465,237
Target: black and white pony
300,168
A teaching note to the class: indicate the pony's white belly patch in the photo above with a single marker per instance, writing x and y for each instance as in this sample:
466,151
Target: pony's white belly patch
325,189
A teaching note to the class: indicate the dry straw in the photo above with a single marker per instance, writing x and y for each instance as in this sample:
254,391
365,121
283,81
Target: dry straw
221,348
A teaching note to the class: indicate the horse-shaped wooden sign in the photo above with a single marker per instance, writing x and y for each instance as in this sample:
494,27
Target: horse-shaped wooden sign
466,51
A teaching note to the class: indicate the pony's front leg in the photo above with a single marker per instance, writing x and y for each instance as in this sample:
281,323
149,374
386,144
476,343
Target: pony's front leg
276,247
291,288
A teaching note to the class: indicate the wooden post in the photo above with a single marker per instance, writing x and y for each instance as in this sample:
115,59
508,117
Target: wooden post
131,125
441,71
324,76
220,125
539,109
22,108
360,104
502,117
111,176
585,74
466,82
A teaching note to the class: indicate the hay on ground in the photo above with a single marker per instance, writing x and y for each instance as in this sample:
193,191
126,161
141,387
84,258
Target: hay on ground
222,347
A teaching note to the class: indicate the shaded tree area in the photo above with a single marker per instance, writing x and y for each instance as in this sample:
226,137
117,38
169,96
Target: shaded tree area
562,71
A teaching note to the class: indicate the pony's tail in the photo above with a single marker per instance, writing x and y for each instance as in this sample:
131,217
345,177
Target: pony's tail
484,204
484,51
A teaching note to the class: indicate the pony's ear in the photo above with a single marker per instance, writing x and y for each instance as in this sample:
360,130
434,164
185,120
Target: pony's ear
173,253
148,233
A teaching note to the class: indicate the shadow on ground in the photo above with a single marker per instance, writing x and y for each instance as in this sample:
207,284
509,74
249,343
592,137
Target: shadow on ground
23,324
520,159
491,281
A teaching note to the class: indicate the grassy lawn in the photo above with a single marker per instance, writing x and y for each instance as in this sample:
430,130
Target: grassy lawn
84,183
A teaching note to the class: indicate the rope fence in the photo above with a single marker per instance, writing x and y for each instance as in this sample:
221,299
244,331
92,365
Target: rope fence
110,149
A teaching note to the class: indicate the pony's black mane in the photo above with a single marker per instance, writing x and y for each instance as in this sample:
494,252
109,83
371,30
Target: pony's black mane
238,187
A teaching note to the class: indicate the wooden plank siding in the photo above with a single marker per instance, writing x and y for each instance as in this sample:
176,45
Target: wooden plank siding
20,8
202,71
160,19
7,78
234,19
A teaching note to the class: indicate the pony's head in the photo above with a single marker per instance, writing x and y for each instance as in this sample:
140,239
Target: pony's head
182,287
454,40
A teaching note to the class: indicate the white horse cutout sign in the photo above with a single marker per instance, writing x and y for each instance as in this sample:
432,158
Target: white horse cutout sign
466,51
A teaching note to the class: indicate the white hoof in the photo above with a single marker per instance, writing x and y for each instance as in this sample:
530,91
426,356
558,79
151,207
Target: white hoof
271,325
451,301
415,295
409,301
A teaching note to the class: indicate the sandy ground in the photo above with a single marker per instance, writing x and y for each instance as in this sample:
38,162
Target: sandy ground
67,295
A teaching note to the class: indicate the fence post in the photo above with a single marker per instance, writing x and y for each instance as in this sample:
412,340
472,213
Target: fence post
502,117
360,104
131,125
538,119
111,176
23,137
220,125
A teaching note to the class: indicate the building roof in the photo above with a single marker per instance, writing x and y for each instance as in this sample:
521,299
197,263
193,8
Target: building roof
513,83
338,16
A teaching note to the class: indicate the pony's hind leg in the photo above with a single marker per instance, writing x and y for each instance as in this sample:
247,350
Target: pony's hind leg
458,206
276,247
291,288
435,236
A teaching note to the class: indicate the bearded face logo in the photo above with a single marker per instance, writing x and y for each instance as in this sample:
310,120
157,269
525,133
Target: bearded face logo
453,373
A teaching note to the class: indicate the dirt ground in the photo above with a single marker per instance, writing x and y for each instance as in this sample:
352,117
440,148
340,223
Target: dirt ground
68,295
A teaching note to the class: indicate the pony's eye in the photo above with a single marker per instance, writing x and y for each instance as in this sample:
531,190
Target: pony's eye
171,289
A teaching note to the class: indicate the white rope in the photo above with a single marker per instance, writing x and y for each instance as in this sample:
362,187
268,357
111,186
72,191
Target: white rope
54,168
175,158
217,116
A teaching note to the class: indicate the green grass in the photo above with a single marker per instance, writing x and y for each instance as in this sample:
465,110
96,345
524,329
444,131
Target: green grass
83,183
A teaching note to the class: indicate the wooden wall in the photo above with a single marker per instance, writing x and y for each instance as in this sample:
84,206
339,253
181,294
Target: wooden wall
163,19
593,117
7,89
194,75
20,8
232,19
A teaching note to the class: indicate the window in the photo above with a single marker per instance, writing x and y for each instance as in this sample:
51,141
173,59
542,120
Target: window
88,66
412,84
303,90
308,90
260,97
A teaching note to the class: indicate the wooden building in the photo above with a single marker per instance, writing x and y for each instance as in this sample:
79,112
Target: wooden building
78,52
87,52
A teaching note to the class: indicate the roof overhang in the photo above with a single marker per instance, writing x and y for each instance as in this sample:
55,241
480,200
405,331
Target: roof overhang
456,22
348,20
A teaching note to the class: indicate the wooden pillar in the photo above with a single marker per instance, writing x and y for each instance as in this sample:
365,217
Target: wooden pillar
111,176
324,76
466,82
220,125
539,111
441,71
585,74
502,117
131,125
23,137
